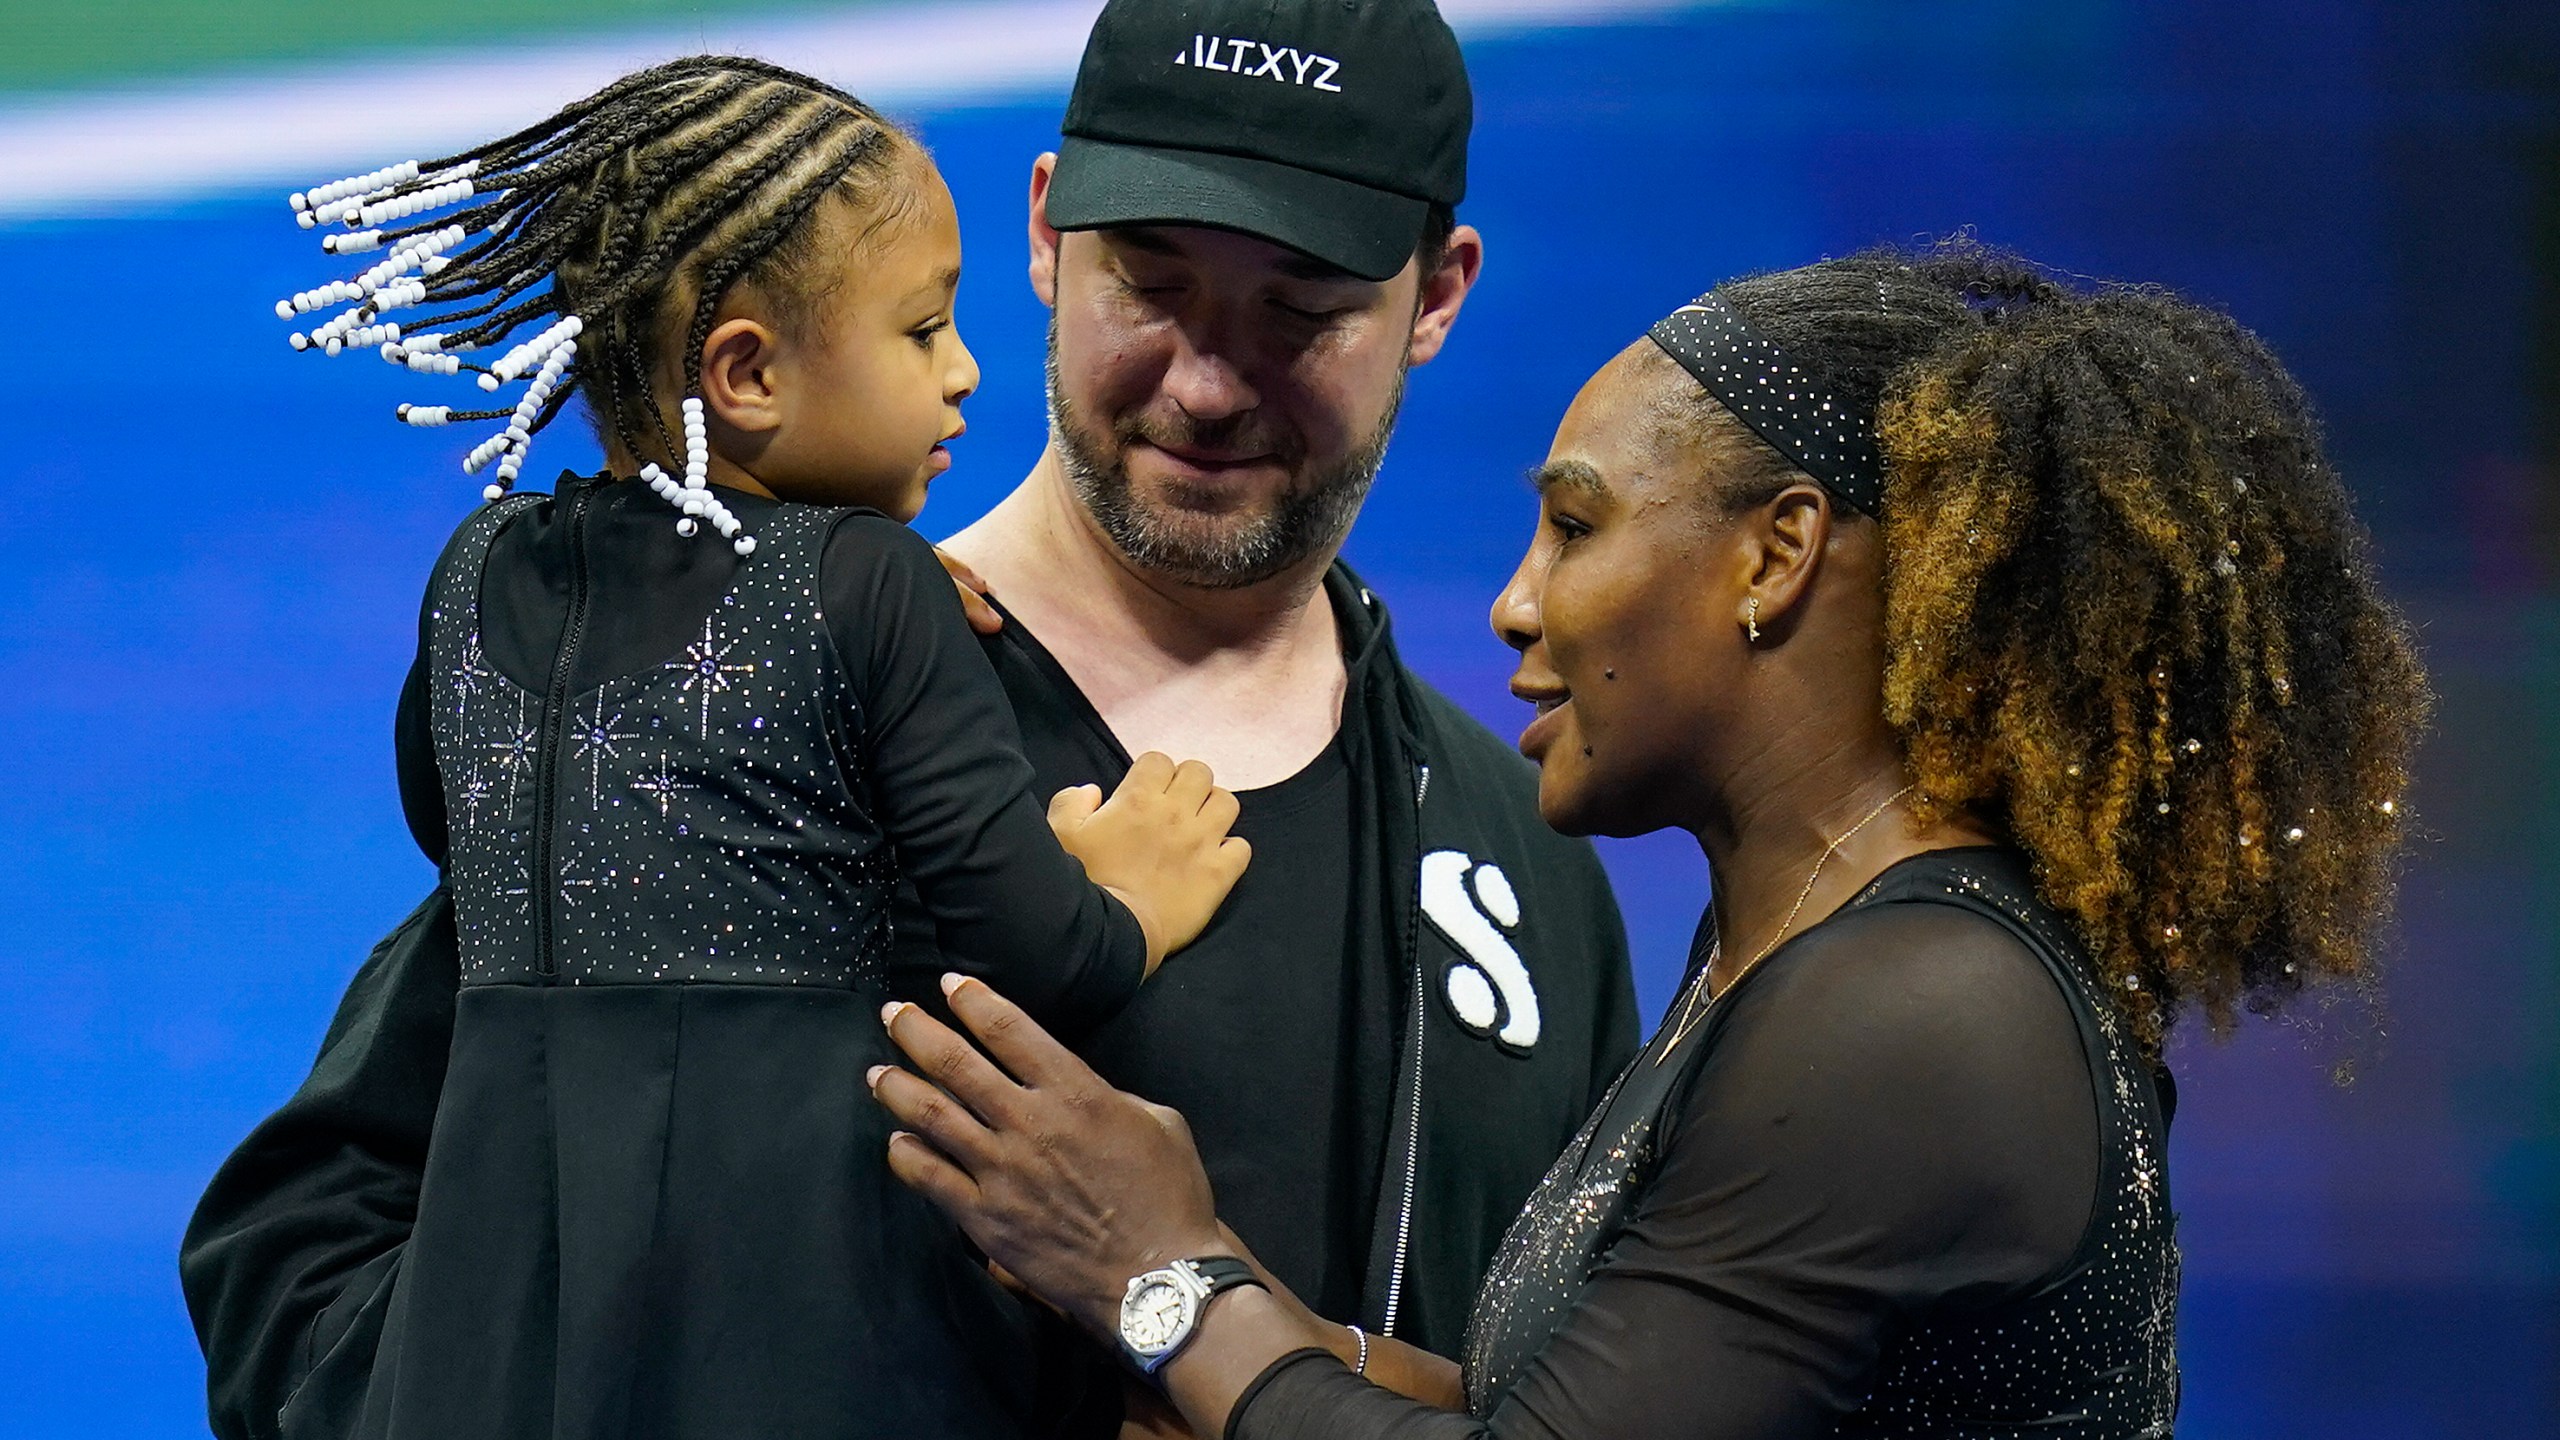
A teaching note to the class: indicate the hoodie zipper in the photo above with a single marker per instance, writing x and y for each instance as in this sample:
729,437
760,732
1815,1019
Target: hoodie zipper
1413,1116
555,719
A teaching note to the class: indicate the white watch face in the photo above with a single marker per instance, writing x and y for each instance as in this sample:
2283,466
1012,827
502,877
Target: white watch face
1156,1313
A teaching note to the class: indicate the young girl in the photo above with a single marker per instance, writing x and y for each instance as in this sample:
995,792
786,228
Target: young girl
673,740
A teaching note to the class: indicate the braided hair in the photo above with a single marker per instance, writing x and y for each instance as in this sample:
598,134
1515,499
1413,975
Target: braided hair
618,224
2129,614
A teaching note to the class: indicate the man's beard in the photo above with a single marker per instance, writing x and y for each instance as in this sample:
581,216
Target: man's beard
1215,552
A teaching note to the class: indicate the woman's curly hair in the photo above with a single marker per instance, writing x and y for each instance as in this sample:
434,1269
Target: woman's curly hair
2130,615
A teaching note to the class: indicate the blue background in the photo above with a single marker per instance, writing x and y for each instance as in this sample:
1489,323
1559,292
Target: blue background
210,566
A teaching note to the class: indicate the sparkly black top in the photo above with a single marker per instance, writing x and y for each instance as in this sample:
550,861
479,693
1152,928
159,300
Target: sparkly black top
639,758
670,789
1904,1179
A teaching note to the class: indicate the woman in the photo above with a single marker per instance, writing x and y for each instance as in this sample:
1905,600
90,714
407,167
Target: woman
2014,657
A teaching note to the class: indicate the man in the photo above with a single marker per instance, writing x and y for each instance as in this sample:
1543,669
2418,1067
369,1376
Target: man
1418,990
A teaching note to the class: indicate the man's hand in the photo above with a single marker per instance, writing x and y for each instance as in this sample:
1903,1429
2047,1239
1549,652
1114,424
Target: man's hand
973,594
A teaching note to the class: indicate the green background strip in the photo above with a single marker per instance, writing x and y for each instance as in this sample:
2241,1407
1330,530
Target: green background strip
55,47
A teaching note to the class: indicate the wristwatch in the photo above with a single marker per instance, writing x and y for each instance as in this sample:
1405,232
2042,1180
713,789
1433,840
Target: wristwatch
1162,1307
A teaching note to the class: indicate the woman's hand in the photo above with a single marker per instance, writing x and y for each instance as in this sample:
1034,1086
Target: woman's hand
1071,1186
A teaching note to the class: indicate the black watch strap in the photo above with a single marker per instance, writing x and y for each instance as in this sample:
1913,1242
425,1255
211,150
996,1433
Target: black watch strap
1204,1278
1222,1273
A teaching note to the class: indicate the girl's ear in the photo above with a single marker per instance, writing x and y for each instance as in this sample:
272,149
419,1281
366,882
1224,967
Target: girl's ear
740,386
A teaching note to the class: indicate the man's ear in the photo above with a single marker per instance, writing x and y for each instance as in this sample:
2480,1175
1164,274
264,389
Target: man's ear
1044,236
1442,292
742,385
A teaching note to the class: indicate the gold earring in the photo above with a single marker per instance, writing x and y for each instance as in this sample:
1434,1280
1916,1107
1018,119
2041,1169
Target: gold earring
1751,623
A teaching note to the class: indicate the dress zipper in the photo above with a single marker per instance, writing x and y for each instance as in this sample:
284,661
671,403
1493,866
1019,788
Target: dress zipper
555,718
1413,1116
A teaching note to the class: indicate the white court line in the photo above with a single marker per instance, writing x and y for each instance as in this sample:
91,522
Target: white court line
103,152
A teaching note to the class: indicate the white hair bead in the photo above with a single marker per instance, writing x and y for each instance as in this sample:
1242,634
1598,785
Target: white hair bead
353,207
335,328
493,492
298,340
524,356
484,452
744,545
688,527
427,415
400,174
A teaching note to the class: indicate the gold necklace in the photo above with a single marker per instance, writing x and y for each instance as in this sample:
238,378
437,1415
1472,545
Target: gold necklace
1694,1011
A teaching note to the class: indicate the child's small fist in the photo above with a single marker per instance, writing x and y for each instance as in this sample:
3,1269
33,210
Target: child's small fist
1160,843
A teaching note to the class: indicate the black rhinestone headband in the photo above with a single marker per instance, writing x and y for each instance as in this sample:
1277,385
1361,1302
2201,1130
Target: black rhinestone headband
1771,394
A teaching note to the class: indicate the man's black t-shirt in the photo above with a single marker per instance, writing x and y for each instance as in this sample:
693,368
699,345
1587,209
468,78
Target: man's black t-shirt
1272,1033
1289,1098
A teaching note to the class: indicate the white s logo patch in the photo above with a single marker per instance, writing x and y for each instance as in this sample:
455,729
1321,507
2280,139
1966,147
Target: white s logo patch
1474,907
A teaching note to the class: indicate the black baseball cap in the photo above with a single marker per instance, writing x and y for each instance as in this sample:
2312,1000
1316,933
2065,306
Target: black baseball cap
1328,126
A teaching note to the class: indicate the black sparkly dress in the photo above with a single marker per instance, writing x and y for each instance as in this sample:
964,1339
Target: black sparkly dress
1906,1178
671,790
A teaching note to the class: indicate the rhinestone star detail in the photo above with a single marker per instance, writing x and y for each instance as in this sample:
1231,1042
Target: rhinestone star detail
516,753
707,672
471,677
2146,1185
571,884
475,792
598,741
661,786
